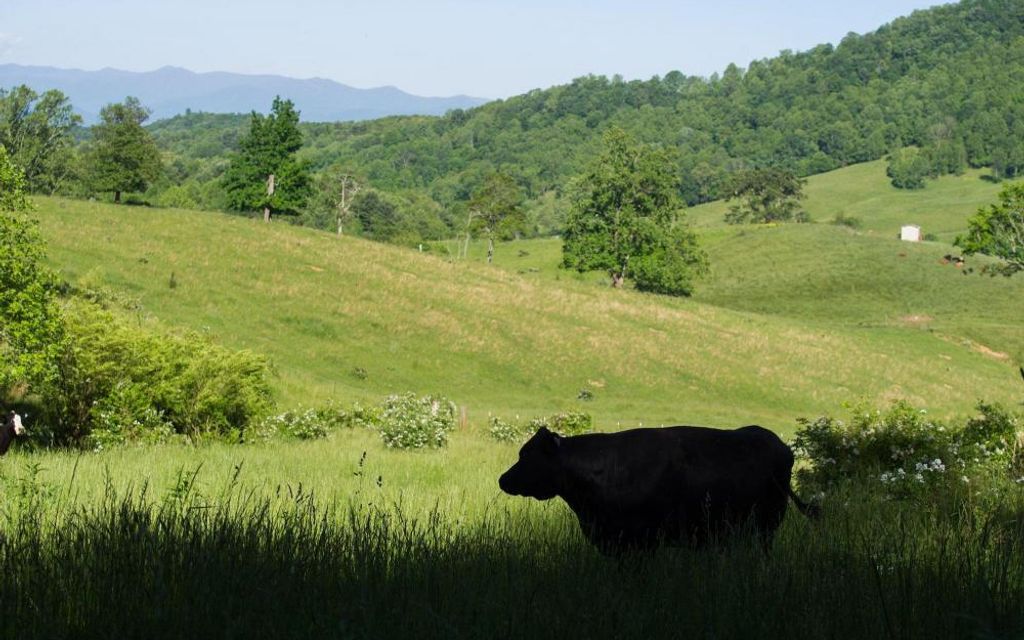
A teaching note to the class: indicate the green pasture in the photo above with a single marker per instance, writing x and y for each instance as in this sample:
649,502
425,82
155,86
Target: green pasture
864,192
326,309
344,538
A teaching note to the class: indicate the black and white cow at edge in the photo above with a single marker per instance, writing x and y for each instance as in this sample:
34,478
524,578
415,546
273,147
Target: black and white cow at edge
640,488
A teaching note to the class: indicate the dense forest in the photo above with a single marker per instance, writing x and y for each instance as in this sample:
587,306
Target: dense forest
936,91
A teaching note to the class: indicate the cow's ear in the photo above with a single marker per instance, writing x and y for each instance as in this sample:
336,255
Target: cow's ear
552,441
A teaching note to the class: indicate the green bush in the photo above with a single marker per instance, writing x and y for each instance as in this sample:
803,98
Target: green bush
127,415
410,422
121,379
301,424
843,220
904,451
29,321
566,423
311,424
360,417
504,431
908,168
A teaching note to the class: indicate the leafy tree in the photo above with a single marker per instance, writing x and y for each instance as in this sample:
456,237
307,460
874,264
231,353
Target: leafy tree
378,216
946,153
766,195
998,230
124,156
37,131
624,220
29,323
908,168
497,209
268,150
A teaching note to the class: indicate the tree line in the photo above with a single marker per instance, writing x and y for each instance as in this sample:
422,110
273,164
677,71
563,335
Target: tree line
933,92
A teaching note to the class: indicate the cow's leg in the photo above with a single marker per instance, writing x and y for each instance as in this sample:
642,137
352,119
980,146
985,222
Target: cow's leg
6,435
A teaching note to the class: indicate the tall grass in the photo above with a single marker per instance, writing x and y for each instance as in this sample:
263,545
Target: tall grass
241,564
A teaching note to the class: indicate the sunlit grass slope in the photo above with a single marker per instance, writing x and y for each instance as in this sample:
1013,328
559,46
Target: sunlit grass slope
863,278
835,275
492,339
864,192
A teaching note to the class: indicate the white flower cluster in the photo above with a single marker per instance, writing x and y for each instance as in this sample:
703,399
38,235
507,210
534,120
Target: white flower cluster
935,466
921,471
889,477
305,424
410,422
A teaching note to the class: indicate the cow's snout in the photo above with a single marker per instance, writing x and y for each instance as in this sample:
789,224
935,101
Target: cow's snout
503,482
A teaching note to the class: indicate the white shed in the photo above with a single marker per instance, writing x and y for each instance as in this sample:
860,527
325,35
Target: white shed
910,233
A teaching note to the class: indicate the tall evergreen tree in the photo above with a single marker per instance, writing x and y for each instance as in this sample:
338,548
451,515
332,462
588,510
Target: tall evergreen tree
268,150
124,156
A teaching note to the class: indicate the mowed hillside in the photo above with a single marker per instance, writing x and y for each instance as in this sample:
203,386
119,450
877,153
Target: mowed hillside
348,319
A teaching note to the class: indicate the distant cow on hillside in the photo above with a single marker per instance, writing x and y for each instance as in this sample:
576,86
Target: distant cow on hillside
639,488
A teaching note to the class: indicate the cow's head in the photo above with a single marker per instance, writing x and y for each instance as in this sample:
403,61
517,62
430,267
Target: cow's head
537,473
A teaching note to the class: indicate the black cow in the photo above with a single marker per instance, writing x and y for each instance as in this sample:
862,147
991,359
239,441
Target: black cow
638,488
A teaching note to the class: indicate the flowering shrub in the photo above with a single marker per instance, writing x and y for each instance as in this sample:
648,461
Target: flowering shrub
904,450
311,424
126,415
302,424
505,431
566,423
360,417
410,422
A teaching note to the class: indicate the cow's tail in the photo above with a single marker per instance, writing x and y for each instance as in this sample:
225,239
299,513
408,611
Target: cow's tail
812,511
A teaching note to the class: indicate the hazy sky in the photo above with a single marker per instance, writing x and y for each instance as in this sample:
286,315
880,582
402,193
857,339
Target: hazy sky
490,49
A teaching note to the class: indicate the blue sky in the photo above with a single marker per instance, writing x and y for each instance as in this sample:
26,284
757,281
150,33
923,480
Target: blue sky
490,49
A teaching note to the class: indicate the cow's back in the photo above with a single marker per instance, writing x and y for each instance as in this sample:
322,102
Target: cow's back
682,481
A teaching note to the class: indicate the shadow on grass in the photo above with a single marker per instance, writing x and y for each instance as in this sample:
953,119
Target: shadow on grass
244,566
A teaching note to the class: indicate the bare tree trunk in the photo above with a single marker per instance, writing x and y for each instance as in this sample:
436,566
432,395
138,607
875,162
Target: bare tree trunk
270,192
349,189
490,249
465,247
618,277
117,197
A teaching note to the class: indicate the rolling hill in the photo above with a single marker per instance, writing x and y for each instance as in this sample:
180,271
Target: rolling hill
839,275
943,80
795,320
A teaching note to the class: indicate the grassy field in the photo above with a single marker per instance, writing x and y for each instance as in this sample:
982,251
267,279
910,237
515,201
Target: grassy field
842,277
343,538
237,558
863,191
794,321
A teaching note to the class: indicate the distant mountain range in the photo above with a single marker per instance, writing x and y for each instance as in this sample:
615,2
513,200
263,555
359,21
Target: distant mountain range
169,91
